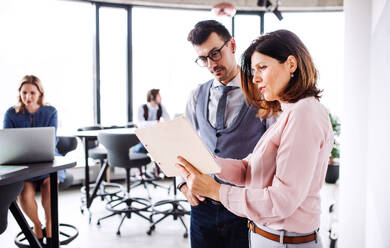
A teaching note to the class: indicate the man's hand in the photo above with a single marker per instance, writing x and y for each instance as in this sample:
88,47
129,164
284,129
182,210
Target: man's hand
191,198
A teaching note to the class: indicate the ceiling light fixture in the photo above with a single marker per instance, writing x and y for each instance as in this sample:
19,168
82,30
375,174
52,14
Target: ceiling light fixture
224,9
271,6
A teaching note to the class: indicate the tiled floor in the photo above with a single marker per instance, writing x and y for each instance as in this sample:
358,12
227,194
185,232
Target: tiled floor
169,233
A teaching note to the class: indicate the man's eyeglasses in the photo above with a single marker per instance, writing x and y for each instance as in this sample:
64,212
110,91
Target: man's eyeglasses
215,56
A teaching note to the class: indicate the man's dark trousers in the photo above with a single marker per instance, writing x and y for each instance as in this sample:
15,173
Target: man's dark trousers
213,226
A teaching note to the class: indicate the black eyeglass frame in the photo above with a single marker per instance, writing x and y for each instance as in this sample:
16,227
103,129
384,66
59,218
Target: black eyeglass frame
202,60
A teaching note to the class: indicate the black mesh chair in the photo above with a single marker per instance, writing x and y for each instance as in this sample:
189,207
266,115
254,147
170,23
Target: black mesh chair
117,146
96,152
170,207
65,145
67,232
8,194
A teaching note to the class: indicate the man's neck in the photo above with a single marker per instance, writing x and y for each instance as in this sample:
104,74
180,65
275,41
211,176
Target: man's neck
232,76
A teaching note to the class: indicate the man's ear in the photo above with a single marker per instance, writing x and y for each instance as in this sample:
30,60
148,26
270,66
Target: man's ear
292,63
233,45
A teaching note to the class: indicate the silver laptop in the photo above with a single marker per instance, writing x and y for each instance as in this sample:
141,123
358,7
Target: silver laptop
27,145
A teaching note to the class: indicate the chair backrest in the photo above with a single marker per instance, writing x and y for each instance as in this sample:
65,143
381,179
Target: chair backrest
66,144
131,125
92,143
118,146
89,128
8,194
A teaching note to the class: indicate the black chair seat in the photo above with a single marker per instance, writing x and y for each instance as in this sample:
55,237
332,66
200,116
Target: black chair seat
97,153
137,162
135,156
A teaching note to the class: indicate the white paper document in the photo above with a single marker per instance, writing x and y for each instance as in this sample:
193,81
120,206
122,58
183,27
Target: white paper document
8,169
167,140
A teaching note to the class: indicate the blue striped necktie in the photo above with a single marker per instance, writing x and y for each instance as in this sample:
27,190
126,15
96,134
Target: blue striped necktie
220,120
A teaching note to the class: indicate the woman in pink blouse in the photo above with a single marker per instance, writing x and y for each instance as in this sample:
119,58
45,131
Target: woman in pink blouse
278,184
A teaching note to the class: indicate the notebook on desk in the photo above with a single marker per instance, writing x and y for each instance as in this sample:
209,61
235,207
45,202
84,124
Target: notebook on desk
166,140
27,145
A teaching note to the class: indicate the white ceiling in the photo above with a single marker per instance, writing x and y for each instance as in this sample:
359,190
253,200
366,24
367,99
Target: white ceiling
240,4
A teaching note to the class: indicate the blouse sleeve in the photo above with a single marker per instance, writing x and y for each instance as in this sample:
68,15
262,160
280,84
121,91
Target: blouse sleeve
53,122
8,121
296,159
53,119
233,170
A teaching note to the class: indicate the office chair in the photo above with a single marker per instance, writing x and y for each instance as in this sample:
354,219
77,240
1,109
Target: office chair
175,209
117,146
8,194
67,232
65,145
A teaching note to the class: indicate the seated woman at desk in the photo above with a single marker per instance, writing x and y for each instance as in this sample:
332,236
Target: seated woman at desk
31,111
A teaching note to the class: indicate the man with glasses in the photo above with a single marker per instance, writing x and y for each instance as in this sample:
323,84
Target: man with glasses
227,125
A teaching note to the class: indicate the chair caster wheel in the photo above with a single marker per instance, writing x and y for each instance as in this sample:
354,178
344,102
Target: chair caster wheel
98,223
118,233
82,211
149,232
152,227
185,235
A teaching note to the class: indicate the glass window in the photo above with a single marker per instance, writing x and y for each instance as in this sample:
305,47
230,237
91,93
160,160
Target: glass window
246,28
113,66
323,35
164,59
39,37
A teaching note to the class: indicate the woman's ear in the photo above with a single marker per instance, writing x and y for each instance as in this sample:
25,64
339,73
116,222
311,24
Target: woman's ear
292,63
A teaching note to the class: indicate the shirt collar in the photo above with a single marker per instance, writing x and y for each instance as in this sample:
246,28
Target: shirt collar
285,105
234,82
38,110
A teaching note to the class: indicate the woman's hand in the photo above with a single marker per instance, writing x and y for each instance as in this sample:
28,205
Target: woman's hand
197,182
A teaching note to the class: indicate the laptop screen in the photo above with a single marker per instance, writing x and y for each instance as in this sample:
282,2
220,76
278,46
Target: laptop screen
27,145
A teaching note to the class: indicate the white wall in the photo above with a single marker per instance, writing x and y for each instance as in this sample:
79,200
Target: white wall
364,185
378,183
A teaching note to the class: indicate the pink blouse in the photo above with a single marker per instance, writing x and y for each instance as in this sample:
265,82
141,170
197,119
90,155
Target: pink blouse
283,175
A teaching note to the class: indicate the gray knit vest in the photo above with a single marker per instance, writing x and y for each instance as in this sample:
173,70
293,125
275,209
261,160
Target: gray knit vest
236,141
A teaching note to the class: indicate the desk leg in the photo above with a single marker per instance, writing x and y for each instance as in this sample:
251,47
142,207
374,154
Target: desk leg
55,243
19,217
87,196
99,180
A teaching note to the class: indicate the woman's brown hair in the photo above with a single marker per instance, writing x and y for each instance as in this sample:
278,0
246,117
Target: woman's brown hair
279,45
34,80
